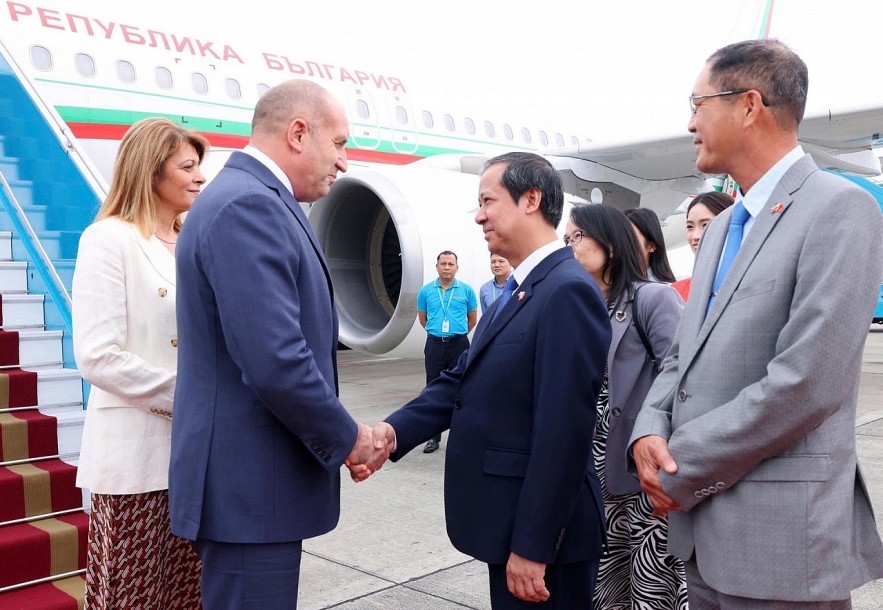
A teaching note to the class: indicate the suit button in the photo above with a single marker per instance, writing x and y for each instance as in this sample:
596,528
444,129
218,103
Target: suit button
617,411
698,494
174,341
458,404
682,395
162,292
720,485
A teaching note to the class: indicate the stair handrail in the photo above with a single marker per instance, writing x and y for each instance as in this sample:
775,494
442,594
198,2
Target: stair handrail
60,129
54,286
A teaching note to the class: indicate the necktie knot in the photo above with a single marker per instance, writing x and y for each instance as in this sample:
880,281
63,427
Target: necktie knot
510,285
740,215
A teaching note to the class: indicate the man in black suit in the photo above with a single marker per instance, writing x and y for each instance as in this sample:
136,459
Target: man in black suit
521,493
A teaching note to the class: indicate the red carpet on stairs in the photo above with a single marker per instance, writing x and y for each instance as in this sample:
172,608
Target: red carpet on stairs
9,348
37,549
27,434
65,594
29,490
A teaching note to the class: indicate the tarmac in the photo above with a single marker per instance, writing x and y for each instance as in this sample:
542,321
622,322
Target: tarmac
390,549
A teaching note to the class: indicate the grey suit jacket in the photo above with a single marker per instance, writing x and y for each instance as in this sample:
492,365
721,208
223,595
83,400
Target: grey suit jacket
630,373
757,401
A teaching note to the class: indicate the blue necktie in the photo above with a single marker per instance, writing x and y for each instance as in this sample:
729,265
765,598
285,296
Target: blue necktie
734,242
508,288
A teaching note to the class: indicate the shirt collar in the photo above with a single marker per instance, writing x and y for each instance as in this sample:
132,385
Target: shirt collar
536,257
454,284
759,194
271,165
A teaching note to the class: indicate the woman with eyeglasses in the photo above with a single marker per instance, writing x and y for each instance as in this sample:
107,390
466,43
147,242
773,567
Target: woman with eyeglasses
701,211
636,571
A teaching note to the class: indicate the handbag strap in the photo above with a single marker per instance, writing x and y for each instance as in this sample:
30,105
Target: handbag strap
641,333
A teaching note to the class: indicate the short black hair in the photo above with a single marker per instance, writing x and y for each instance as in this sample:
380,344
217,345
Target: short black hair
525,171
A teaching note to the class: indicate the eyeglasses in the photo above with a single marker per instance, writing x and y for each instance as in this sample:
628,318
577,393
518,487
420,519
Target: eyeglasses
574,238
694,98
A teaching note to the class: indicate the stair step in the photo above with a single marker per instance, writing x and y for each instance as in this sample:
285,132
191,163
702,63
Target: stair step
46,547
20,311
28,434
40,349
57,594
13,277
59,390
5,245
38,488
9,168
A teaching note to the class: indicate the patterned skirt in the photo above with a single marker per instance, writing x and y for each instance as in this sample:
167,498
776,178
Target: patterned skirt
636,571
133,559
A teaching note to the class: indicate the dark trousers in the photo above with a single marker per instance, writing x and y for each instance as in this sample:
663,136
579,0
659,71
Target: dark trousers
701,596
440,355
570,587
249,576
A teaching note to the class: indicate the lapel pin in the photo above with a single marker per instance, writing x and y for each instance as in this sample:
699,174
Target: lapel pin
620,316
521,296
777,208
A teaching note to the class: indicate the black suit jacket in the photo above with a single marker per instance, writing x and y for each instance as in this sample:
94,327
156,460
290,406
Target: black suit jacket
520,405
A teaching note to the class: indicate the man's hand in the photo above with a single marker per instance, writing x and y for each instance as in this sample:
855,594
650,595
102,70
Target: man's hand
368,454
526,579
651,454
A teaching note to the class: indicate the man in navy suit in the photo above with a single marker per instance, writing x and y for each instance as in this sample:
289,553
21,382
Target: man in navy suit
521,493
259,434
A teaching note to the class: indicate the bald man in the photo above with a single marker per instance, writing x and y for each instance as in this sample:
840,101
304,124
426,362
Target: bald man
259,434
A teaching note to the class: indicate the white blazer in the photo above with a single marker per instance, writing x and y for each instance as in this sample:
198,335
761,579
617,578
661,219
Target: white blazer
125,343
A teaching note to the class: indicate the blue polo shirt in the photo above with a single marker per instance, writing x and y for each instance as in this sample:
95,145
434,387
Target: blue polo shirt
488,293
453,304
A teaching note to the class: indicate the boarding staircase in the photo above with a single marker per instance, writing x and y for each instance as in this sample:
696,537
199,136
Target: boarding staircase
46,202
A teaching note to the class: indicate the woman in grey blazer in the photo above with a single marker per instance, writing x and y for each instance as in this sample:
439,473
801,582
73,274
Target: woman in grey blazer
125,343
637,570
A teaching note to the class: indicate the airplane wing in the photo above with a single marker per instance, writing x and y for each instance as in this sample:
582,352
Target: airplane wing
660,173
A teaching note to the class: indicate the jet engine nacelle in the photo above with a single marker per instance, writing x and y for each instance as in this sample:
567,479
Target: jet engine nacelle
381,229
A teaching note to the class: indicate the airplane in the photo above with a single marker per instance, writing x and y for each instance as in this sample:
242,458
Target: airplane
412,180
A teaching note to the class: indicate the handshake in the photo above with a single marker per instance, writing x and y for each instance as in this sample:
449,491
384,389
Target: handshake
372,449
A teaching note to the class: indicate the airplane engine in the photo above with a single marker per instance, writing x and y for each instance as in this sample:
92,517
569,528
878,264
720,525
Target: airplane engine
381,229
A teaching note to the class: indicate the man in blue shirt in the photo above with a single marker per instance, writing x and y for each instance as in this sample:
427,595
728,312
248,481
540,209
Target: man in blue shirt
448,309
489,292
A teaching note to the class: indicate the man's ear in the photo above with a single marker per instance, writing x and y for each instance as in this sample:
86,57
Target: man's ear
532,199
297,133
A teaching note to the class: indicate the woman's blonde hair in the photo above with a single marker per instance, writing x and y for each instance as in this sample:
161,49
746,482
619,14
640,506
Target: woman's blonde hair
143,151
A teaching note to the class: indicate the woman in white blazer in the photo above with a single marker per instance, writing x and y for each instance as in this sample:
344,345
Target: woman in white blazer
125,341
636,570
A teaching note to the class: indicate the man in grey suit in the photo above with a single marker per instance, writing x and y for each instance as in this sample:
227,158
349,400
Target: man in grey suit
747,437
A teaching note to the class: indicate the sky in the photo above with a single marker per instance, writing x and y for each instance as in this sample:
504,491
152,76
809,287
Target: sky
614,69
610,70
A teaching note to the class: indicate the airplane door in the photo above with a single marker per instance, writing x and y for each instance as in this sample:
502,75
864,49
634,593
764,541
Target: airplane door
365,125
402,126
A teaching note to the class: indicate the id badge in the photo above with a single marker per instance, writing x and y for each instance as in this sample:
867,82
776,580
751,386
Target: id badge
446,327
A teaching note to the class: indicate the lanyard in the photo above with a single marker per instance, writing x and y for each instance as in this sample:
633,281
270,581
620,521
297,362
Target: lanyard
441,299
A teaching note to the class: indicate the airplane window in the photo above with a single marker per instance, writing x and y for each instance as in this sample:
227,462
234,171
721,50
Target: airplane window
41,58
126,71
470,126
401,115
489,129
200,84
507,131
262,89
85,65
544,139
574,140
362,109
525,135
449,123
427,119
233,89
163,77
559,139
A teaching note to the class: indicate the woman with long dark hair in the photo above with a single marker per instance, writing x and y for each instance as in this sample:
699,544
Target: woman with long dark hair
637,570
